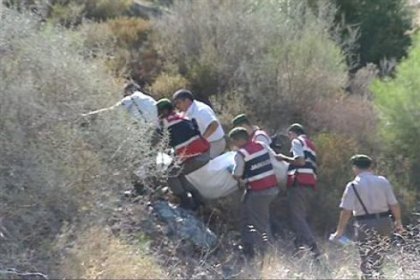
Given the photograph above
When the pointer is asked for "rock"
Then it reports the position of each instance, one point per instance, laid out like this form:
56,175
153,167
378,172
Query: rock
185,226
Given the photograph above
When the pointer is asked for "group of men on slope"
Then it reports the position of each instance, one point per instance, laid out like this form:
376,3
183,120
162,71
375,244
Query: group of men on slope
197,136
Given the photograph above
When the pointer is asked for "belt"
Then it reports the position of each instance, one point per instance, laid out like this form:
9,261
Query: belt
373,216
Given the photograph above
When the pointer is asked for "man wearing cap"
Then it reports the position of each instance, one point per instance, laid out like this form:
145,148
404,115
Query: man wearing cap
253,164
191,150
301,183
208,124
370,198
254,131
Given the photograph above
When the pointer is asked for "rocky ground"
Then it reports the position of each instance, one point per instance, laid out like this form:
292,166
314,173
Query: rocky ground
199,245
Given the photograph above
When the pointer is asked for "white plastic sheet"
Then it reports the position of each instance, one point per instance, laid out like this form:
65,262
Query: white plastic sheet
280,168
214,180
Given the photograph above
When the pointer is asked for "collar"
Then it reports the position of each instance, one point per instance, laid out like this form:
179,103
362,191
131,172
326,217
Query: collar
137,92
191,109
364,173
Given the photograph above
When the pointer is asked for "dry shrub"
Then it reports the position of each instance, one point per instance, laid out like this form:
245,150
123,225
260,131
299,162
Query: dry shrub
98,39
105,9
130,32
124,44
97,254
334,172
57,167
350,116
166,84
277,54
67,15
337,263
362,79
230,105
342,262
133,56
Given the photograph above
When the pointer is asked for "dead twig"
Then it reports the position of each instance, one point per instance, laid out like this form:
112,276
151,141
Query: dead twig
14,272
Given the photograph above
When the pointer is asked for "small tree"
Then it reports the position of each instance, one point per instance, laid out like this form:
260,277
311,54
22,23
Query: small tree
382,25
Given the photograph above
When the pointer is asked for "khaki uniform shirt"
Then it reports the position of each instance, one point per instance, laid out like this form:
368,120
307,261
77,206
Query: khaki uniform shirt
375,192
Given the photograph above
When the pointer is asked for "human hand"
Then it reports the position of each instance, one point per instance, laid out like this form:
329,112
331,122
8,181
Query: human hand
398,227
336,235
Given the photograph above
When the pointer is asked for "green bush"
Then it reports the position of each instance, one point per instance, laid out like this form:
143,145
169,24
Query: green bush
398,101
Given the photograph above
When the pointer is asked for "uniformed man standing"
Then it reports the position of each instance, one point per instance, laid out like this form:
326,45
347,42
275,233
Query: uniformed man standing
371,200
253,164
301,182
256,133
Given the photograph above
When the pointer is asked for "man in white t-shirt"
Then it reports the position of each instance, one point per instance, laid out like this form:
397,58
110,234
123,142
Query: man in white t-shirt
138,104
141,106
207,122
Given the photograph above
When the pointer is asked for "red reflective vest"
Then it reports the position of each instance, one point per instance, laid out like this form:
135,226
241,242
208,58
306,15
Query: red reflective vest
259,171
184,137
259,132
304,175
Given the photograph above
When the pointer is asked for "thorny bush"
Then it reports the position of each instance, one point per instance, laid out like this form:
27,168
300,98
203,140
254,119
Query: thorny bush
57,167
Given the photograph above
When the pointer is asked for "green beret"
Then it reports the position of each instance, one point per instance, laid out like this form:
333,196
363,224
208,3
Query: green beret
239,133
361,161
164,104
297,128
240,119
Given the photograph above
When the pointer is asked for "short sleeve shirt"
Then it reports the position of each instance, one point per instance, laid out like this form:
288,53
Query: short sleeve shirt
141,106
262,137
204,116
297,149
375,192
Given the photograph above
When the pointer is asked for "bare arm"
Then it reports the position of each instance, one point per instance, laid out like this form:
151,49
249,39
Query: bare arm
298,161
396,212
239,167
297,150
102,110
210,129
345,216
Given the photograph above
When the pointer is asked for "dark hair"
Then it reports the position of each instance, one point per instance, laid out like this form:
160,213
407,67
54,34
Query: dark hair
296,128
183,94
131,87
239,133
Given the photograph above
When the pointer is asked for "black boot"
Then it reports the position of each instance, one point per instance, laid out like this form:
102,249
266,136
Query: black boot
188,202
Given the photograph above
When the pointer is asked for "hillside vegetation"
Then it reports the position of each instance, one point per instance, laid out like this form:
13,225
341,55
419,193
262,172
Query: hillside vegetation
62,175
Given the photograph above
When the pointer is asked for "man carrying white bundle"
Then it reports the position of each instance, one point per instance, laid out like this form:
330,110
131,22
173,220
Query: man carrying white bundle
208,124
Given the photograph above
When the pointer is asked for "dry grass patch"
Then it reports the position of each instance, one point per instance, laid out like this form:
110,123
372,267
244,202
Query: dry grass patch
98,254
